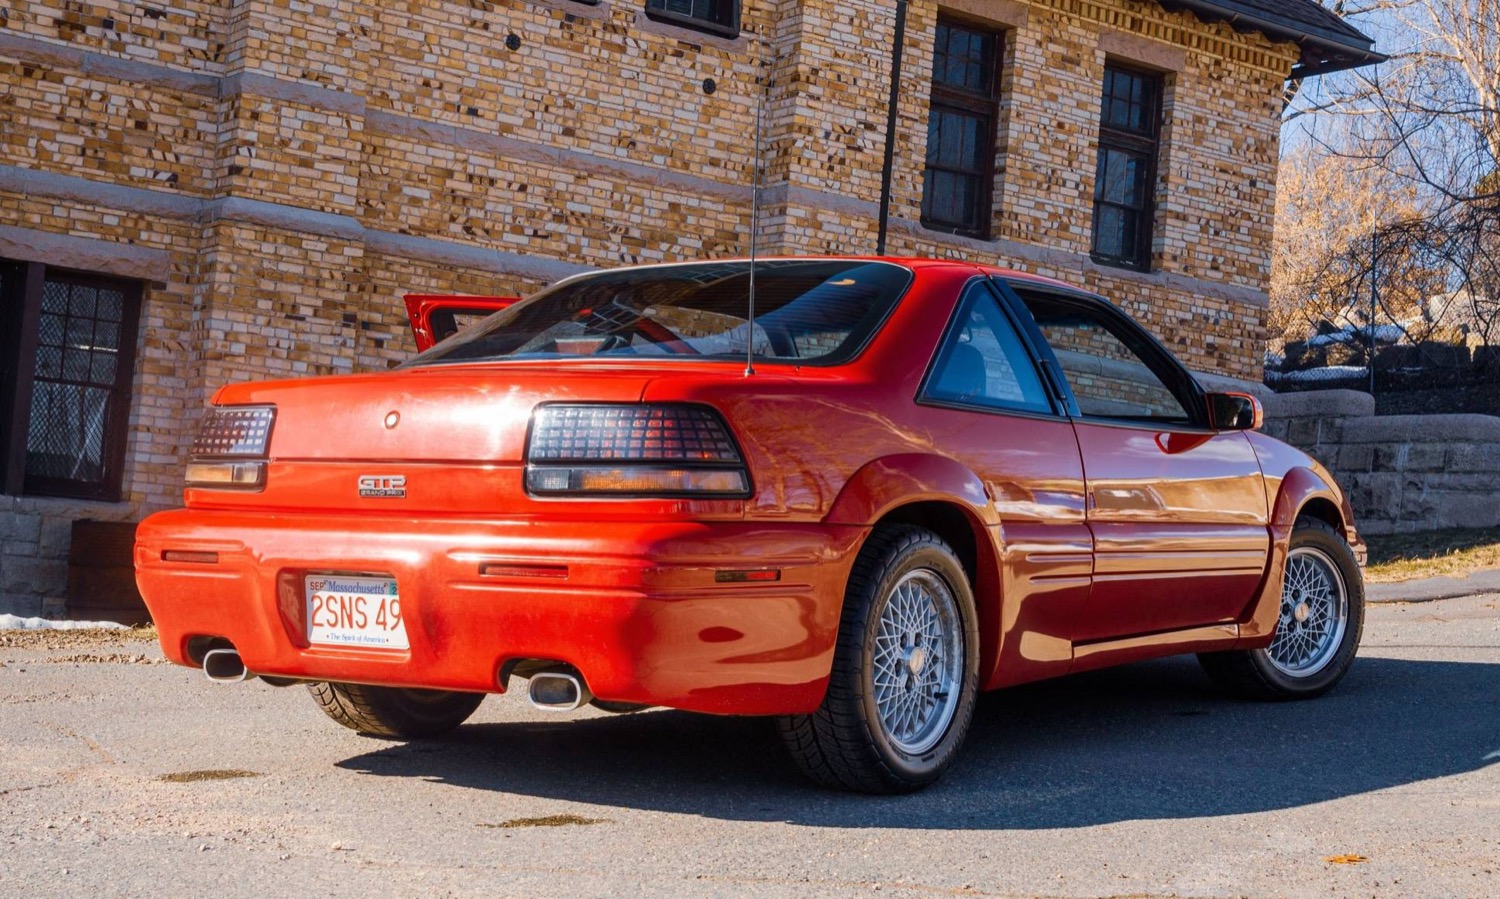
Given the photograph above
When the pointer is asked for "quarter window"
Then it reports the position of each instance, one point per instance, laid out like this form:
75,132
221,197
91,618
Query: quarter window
1126,173
983,362
69,344
718,16
960,164
1108,366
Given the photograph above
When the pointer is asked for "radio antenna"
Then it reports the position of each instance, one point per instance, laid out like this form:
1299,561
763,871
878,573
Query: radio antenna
764,83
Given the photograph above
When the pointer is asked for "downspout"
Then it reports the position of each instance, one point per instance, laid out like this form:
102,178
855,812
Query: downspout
890,127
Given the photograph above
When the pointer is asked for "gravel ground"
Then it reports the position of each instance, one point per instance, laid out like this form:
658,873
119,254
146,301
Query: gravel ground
122,776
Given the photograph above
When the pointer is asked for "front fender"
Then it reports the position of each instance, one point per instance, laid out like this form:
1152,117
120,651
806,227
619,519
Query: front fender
1299,486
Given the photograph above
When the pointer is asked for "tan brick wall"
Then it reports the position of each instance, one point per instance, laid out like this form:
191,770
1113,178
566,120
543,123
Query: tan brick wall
282,172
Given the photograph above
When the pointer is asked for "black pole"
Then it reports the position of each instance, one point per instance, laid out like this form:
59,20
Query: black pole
1374,299
890,127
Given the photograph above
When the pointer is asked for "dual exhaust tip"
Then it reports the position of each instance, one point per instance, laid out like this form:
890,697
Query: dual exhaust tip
550,691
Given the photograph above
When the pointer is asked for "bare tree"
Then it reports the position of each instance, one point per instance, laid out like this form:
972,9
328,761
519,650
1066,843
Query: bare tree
1390,186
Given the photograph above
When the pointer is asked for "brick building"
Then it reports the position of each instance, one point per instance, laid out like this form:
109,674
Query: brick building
201,191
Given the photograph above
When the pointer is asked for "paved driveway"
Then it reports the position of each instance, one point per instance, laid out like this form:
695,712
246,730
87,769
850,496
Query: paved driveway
1140,781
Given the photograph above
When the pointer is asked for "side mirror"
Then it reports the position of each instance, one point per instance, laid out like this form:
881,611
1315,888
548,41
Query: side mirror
1235,412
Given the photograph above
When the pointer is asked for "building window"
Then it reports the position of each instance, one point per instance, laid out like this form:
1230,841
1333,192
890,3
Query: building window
1129,122
68,341
717,16
961,131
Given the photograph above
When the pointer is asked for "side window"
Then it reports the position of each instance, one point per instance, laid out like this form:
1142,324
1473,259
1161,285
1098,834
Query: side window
717,16
67,357
1105,364
982,361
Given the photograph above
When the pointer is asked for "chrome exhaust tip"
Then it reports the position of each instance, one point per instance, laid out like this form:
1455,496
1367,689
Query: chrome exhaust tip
557,691
224,666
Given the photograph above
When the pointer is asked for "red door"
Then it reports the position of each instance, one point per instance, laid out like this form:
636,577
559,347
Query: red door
436,317
1179,523
1177,510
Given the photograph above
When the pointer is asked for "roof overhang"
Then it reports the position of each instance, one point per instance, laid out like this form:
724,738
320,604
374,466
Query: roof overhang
1325,49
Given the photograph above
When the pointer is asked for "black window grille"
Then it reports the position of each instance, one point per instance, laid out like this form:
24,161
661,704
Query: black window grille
717,16
960,166
1129,123
70,339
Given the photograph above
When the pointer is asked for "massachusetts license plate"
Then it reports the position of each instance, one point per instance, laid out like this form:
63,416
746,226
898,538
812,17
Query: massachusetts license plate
354,611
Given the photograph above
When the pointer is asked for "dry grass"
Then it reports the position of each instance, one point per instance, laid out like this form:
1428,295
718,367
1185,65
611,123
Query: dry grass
548,821
187,777
1453,553
87,638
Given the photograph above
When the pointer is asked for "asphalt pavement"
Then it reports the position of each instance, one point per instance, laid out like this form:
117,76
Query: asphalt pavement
121,775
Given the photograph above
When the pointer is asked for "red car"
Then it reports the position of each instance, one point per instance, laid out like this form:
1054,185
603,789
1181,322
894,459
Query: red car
901,482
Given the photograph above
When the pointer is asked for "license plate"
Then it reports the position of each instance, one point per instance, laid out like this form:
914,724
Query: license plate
354,611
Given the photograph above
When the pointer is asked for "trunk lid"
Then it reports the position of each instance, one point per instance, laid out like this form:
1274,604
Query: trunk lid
455,413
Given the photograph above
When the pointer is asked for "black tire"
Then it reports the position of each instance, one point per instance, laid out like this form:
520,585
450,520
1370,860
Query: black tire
618,708
845,744
392,712
1255,673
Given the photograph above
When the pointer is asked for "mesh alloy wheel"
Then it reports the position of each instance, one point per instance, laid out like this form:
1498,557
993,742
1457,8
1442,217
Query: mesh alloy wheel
917,665
1314,613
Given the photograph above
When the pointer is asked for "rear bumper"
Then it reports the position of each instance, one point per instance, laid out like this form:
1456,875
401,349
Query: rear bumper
637,609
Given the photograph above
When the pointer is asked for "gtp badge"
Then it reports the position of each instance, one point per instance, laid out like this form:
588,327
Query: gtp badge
383,486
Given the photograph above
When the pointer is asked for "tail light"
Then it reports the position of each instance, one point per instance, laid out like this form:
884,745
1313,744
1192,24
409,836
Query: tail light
230,450
633,450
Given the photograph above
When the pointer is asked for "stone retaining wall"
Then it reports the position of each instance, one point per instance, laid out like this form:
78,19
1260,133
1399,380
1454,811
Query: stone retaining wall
1403,473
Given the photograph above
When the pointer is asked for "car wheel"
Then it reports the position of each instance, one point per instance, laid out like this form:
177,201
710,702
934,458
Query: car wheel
905,671
1318,630
394,712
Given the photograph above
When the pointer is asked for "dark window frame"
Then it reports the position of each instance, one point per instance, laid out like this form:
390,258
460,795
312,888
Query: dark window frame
1157,358
19,339
725,24
984,105
1139,143
973,292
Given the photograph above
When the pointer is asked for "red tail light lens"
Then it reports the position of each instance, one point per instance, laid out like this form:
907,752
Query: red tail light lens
235,432
639,450
228,435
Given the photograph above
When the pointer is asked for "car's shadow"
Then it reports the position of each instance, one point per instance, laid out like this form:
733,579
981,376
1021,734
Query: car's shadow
1145,741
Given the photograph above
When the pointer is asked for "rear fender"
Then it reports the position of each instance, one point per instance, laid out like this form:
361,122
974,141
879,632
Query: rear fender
883,487
1299,487
892,481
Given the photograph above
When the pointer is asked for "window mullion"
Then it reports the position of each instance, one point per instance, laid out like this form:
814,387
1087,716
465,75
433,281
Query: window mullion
14,463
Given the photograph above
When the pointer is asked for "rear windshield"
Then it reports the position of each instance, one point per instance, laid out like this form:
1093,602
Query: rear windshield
806,311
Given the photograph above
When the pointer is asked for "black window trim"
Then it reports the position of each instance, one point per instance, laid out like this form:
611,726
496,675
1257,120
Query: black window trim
685,20
856,352
1150,147
16,387
971,104
992,289
1172,373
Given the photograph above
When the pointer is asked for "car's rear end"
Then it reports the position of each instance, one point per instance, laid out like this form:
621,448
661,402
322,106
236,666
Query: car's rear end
565,492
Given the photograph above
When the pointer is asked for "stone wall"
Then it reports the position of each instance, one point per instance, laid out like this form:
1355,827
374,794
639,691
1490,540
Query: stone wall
1403,473
278,174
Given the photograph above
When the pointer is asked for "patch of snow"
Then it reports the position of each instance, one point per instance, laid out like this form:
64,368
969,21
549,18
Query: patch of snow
1361,335
1327,373
15,622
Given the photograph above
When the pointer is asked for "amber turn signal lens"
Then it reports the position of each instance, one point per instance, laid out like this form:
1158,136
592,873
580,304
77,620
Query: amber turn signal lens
187,555
226,475
751,576
636,480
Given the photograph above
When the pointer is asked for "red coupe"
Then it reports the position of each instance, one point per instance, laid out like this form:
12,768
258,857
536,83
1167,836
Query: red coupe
897,483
